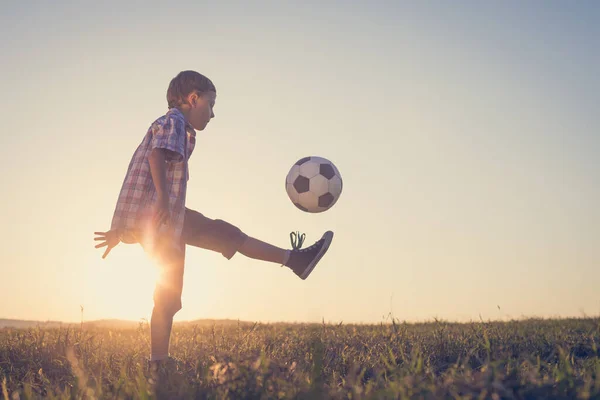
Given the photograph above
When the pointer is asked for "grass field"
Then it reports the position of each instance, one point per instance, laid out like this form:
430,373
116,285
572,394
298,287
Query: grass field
527,359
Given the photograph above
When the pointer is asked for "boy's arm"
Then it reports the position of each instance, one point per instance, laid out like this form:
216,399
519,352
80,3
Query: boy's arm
158,170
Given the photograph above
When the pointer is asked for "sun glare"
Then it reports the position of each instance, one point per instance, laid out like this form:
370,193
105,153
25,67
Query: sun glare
120,286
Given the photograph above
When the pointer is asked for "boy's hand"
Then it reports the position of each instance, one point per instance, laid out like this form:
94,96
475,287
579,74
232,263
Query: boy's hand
161,213
110,239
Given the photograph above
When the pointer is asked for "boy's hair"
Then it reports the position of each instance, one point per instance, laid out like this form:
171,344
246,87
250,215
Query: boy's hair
185,83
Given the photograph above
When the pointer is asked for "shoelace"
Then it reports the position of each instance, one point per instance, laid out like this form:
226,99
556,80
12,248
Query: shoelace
297,239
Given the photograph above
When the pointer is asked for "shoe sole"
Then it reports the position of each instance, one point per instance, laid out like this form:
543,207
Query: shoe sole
327,238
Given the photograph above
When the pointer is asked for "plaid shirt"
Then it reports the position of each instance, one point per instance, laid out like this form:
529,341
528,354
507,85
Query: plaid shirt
133,213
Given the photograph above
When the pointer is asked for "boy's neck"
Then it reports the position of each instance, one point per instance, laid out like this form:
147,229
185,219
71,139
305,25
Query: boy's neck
185,110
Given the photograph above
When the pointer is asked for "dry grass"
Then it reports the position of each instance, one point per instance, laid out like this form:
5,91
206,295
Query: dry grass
500,360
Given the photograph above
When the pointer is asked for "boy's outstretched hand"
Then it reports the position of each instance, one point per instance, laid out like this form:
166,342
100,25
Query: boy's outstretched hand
109,240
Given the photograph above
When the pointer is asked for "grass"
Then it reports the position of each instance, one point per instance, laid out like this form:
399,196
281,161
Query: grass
529,359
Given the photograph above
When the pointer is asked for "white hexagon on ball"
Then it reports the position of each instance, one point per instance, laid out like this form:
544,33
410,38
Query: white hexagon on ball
310,201
309,169
319,185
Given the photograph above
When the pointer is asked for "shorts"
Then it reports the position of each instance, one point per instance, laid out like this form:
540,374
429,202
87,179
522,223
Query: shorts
198,231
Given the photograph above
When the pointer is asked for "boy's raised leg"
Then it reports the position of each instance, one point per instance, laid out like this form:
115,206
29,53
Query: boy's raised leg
227,239
259,250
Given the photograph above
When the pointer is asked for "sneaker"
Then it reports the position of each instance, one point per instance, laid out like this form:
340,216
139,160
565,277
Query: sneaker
303,261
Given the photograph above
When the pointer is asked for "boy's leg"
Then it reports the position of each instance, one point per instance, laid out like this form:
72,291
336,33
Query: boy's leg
160,333
167,299
227,239
259,250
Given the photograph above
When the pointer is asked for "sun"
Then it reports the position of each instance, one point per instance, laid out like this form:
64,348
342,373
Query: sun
120,286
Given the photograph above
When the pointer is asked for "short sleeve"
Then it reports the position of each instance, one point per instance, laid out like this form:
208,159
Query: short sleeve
170,134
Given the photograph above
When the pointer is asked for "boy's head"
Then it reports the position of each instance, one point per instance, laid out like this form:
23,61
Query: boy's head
195,95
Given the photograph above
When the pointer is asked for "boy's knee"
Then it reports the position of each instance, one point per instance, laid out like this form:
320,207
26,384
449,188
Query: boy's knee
167,293
167,305
231,238
212,234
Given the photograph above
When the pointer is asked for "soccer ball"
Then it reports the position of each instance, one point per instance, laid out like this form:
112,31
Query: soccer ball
313,184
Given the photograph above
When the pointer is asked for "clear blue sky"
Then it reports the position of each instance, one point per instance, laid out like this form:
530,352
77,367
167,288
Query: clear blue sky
467,134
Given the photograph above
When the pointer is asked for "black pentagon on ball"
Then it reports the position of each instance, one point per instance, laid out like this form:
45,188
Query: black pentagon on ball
300,207
302,184
327,171
326,200
302,160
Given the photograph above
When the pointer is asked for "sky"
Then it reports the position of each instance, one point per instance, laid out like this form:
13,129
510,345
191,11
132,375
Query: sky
466,133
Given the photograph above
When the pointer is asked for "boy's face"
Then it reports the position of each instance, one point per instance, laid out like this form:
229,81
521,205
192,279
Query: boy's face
201,109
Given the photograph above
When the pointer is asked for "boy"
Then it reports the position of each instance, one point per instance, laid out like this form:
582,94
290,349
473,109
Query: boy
151,208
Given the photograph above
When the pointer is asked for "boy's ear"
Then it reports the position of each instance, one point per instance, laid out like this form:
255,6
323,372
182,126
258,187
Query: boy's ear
192,99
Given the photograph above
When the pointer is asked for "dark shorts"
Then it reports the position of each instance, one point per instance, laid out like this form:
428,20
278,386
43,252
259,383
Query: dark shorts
198,231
